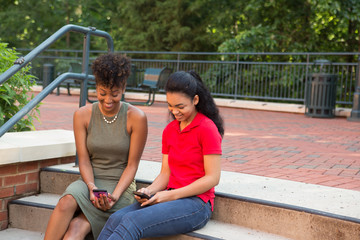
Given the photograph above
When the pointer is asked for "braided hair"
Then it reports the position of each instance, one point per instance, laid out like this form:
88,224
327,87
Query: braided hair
190,84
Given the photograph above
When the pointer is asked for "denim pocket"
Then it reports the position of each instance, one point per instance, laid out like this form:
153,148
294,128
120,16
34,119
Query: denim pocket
202,215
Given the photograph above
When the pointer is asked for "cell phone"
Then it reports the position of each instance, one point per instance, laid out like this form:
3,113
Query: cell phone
97,192
142,195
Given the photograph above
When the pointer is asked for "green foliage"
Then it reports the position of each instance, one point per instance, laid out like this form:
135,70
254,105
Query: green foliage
189,25
154,25
272,26
14,93
151,25
247,41
296,26
27,23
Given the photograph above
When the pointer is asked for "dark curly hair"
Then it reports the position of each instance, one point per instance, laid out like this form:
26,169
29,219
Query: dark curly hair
190,84
111,70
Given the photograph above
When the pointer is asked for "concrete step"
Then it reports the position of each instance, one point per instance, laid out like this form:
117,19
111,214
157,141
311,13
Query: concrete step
285,208
33,212
213,228
23,212
20,234
56,179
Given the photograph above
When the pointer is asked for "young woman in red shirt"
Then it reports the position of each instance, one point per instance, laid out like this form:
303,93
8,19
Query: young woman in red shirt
182,195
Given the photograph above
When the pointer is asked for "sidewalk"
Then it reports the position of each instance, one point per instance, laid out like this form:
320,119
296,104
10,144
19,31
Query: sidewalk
271,144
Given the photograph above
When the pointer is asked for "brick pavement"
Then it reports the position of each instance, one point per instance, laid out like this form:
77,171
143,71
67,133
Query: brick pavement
271,144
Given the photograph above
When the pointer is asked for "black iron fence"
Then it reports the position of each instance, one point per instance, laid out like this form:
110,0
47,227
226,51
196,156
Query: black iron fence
258,76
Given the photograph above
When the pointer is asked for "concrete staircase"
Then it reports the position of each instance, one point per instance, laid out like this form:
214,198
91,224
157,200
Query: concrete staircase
246,207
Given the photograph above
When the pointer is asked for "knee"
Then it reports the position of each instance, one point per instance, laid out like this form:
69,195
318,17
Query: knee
128,224
67,203
114,220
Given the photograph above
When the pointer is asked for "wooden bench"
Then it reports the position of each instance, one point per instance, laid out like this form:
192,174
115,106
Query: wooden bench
76,67
154,79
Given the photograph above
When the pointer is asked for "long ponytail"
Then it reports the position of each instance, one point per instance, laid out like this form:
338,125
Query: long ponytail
190,84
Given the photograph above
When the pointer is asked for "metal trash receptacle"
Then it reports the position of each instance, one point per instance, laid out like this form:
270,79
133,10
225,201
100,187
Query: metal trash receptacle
48,74
320,97
131,81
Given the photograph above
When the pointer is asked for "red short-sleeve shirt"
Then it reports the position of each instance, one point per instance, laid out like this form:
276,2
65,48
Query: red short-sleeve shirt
186,150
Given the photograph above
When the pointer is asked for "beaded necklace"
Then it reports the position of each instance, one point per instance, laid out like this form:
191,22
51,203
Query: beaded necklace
113,120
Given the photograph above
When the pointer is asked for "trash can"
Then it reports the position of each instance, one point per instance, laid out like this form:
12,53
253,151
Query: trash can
131,81
48,74
320,93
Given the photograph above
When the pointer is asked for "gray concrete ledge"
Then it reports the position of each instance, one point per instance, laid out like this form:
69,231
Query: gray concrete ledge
316,199
28,146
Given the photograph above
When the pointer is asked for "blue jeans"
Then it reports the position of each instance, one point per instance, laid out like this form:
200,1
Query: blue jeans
162,219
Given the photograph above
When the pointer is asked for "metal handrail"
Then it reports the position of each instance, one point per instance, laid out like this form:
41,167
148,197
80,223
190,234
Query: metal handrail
23,61
38,98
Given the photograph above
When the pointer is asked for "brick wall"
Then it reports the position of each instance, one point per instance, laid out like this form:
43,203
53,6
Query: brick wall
22,179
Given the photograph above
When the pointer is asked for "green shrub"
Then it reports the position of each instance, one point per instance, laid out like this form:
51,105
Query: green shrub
15,92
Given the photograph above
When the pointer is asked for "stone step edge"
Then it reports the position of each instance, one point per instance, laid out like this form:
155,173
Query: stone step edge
39,235
200,234
288,207
247,199
32,204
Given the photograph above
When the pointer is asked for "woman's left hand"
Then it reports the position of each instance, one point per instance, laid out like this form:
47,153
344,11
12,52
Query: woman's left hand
104,202
159,197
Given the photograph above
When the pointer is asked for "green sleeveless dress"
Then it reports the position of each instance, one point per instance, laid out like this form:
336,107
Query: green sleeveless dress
108,147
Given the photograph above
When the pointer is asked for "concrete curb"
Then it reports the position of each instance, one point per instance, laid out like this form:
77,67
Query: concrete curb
221,102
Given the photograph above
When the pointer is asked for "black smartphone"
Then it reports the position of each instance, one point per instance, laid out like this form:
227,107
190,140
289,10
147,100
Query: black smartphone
97,192
142,195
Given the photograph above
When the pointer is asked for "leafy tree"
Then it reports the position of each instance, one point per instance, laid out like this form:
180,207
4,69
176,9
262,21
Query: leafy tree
27,23
272,26
336,25
14,92
297,26
154,25
189,25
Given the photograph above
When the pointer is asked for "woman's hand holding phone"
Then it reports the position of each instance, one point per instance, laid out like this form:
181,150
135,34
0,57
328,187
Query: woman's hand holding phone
142,195
103,200
99,192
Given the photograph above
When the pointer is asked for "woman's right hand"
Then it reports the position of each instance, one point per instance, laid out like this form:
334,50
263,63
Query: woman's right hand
143,190
92,195
104,202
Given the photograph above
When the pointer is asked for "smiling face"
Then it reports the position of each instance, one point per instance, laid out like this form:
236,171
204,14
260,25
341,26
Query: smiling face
182,107
109,99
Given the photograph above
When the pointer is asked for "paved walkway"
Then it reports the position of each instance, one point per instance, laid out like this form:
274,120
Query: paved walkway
271,144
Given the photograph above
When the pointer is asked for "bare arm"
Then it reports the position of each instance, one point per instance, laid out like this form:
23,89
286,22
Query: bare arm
210,179
80,121
162,180
137,128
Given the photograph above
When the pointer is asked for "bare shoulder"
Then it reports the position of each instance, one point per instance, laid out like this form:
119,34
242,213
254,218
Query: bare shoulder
136,114
84,110
83,114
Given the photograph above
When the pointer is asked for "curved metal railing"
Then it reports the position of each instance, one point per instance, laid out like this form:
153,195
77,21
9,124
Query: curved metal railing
23,61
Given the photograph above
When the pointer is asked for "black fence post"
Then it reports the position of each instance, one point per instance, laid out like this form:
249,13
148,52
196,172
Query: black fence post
48,74
355,112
